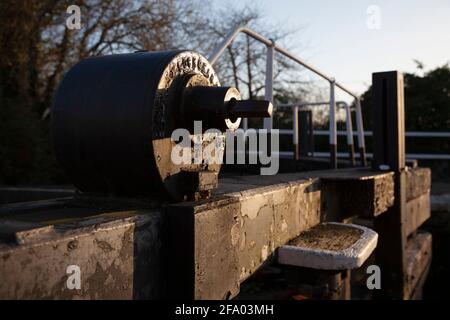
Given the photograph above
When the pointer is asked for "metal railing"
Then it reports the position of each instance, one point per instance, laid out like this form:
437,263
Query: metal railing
295,124
268,122
408,134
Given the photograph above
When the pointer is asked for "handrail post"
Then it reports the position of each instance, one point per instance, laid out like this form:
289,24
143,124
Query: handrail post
245,124
218,50
295,134
268,122
349,127
360,128
333,131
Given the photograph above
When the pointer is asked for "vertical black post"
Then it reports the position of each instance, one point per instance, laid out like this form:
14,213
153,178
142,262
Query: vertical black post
349,133
333,156
333,127
388,121
351,154
296,134
362,155
389,154
306,133
360,128
310,132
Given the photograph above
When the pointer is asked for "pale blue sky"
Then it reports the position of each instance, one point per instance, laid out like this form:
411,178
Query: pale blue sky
339,42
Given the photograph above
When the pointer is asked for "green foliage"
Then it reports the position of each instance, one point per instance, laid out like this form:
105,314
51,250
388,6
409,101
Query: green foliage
427,101
427,108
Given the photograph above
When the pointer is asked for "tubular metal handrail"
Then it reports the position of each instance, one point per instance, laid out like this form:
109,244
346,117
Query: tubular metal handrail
348,122
271,49
408,134
415,134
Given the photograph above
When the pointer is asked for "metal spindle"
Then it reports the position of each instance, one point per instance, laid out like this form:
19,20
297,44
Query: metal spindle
268,122
333,131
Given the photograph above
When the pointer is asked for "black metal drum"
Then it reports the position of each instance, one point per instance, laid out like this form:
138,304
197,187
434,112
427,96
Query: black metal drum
113,117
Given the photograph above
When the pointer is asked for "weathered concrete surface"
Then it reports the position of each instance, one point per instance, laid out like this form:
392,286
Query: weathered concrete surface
117,253
209,247
238,230
234,235
418,260
358,197
346,192
354,192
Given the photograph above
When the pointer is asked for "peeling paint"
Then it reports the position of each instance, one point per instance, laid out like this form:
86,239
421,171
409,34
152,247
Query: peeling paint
284,226
279,197
243,239
235,234
251,206
264,252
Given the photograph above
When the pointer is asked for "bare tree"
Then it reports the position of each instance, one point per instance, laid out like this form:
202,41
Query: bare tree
243,64
37,49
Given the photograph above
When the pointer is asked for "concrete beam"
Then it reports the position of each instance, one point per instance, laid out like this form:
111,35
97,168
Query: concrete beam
227,239
354,192
118,255
209,246
218,243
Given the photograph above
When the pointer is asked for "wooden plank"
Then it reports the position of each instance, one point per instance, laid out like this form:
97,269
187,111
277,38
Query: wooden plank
417,212
355,192
418,182
345,192
418,260
306,136
390,252
358,197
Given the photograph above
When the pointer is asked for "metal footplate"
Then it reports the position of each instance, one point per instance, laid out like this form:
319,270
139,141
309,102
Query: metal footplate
330,246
